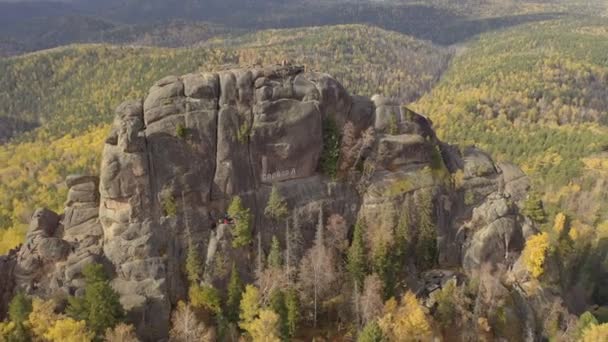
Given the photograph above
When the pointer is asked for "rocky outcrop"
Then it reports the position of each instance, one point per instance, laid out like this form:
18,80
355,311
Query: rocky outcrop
174,159
57,247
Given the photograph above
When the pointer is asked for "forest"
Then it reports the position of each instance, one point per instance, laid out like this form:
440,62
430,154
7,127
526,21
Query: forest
526,81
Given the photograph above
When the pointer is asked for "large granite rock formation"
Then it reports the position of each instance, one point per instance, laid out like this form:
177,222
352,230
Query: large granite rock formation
173,161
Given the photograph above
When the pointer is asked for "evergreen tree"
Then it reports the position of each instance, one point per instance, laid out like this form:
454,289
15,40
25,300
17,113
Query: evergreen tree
241,233
194,264
100,307
18,311
235,292
356,256
534,209
292,303
205,297
276,209
371,333
426,245
279,306
274,257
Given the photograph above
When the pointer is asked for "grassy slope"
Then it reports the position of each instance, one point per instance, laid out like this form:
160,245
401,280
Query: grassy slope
537,95
72,91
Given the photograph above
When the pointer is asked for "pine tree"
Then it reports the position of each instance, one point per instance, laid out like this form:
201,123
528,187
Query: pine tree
19,309
241,233
274,257
276,209
371,333
292,304
205,297
100,307
356,256
194,264
279,306
533,208
426,244
235,292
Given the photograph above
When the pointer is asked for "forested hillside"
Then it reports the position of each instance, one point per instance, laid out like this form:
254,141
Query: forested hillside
536,95
69,91
40,25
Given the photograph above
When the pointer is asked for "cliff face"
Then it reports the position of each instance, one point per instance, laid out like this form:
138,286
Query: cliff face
174,160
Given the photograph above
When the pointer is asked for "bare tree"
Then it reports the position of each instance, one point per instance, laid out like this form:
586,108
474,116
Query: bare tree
186,327
371,302
318,272
337,233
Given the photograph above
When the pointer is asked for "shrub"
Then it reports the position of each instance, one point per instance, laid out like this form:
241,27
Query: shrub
181,131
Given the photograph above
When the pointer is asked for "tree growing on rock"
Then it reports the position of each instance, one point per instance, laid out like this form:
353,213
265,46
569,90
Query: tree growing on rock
276,208
241,232
100,307
533,208
205,297
194,264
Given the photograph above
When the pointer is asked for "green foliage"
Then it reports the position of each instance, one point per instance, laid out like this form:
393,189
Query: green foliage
274,257
426,242
250,306
181,131
194,264
584,321
533,208
356,257
535,95
276,208
241,232
19,308
446,312
100,307
393,126
371,333
77,88
205,297
292,303
235,292
18,311
328,162
279,306
168,204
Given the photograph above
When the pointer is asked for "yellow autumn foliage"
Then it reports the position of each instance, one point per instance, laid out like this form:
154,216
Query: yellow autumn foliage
405,321
265,328
534,253
595,333
42,317
560,223
69,330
